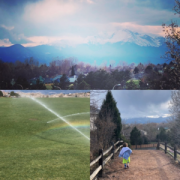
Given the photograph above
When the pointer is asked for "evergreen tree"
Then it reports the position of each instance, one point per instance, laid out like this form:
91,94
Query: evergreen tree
83,85
109,109
12,93
135,136
64,81
72,71
1,94
136,70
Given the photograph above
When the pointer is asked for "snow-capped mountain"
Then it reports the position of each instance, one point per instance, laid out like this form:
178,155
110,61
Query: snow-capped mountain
132,47
144,120
144,39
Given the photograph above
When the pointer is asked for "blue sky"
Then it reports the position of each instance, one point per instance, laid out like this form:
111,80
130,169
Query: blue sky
72,22
138,103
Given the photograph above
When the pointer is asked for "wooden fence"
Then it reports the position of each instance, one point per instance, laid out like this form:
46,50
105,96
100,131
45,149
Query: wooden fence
143,146
172,152
99,170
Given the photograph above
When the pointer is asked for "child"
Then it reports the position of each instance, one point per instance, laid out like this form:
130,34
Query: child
125,153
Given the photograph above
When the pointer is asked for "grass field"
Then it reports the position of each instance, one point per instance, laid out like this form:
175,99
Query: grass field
31,148
136,82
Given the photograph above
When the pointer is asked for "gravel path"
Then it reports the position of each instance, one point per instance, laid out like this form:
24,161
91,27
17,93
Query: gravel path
145,164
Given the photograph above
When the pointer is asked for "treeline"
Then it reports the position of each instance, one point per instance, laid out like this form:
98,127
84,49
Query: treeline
147,76
18,75
102,79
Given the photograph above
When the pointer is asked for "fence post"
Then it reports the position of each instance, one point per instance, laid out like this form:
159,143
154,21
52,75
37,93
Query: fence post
112,150
165,147
175,152
158,145
101,163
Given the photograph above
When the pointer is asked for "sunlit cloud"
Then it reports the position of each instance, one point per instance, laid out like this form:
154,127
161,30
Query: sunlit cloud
147,29
5,42
72,22
47,11
166,115
155,116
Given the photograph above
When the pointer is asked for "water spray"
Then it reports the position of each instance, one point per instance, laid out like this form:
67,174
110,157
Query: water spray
68,116
59,117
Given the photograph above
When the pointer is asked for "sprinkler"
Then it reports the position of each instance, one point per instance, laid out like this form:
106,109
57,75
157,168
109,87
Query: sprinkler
63,119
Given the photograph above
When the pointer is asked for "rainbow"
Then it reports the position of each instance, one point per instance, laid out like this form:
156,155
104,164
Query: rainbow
68,116
74,124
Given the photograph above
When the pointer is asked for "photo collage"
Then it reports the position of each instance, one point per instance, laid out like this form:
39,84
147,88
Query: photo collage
89,89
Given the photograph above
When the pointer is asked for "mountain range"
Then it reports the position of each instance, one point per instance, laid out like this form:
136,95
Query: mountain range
135,49
144,120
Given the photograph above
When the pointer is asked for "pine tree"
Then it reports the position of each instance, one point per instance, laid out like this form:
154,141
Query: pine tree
1,94
109,109
72,71
64,81
135,136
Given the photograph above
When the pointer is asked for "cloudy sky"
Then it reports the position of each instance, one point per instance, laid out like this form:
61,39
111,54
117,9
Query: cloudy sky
71,22
138,103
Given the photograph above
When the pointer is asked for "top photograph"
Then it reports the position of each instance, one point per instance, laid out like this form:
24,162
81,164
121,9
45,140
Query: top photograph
89,45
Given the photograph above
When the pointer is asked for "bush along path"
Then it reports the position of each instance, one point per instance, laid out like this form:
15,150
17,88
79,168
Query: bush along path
144,165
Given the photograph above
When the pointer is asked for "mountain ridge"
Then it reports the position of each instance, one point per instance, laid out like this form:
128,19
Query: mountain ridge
150,50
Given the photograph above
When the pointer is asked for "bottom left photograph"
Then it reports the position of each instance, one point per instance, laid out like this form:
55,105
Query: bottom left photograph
44,134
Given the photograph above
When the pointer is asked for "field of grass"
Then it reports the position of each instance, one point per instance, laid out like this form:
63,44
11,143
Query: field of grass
31,148
136,82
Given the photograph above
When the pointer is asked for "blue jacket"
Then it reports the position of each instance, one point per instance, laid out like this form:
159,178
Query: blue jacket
125,152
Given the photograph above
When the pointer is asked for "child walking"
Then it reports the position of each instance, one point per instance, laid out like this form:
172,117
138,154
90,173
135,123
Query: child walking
125,153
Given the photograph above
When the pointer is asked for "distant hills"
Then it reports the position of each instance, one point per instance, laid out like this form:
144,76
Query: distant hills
144,120
137,48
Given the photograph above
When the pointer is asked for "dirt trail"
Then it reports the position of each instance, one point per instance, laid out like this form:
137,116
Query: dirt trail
145,164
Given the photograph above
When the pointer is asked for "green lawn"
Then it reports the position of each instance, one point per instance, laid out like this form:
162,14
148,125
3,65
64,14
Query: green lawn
136,82
31,148
48,86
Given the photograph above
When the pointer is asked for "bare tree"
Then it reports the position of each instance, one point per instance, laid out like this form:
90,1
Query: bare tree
101,131
152,130
105,131
175,118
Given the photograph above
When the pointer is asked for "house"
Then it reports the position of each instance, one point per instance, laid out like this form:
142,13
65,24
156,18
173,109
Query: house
126,130
166,129
48,80
72,79
57,78
33,81
143,132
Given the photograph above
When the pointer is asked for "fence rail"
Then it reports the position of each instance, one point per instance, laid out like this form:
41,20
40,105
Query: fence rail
98,171
173,149
143,146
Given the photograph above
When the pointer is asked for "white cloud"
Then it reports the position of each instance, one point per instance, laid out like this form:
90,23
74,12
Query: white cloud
154,116
48,11
7,27
147,29
102,37
166,115
90,1
5,42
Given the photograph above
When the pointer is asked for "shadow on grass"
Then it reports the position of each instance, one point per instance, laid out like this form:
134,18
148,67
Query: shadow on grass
41,137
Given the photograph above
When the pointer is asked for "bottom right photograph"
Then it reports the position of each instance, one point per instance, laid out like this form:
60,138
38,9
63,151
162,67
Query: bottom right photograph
134,134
